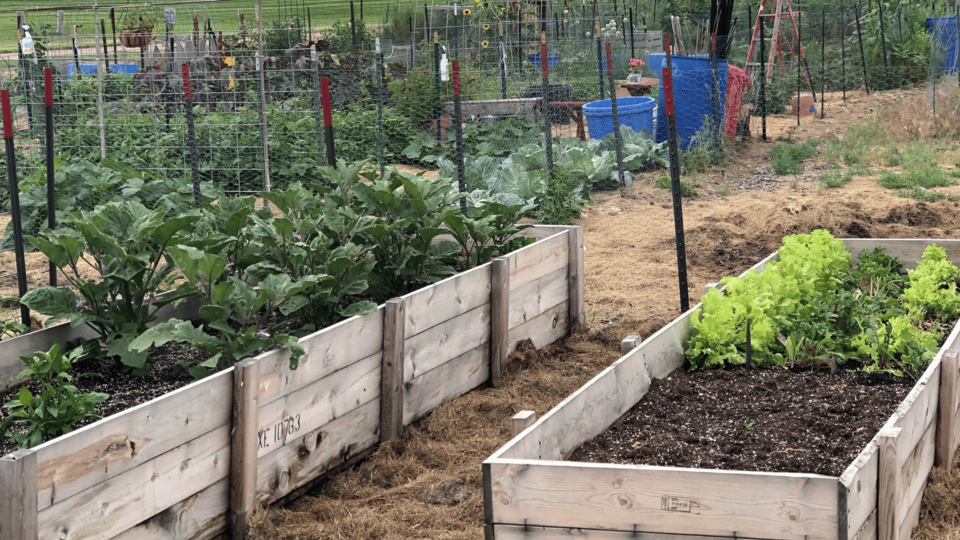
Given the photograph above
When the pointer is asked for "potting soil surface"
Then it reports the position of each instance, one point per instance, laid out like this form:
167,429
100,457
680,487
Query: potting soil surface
771,420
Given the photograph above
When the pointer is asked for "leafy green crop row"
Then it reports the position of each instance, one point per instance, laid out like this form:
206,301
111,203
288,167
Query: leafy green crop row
810,306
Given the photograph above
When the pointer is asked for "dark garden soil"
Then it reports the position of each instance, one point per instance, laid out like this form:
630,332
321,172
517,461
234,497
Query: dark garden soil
125,389
771,420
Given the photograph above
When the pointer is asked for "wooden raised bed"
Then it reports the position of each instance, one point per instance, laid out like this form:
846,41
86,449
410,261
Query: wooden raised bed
193,463
531,493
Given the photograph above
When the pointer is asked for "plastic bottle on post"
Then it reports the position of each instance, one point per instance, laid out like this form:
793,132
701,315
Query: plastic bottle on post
26,44
444,75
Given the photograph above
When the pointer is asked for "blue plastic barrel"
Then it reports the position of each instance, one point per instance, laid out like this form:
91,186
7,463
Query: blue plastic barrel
552,59
693,95
945,41
85,69
125,69
635,112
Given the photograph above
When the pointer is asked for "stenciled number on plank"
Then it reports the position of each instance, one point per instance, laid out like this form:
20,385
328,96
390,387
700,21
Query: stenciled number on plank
279,432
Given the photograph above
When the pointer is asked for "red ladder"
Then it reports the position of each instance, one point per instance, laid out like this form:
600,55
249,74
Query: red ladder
776,40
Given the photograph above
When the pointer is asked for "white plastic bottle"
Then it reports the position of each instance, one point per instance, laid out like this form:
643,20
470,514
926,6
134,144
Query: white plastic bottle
443,64
26,44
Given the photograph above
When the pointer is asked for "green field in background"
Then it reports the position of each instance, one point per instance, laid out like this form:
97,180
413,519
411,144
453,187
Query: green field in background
222,15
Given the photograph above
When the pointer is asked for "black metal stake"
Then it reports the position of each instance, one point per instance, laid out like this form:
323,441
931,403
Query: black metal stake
353,26
458,129
327,121
863,58
763,84
633,52
600,60
379,74
617,136
191,134
51,176
715,88
799,29
413,44
113,30
843,53
503,65
675,178
823,57
436,71
316,103
883,45
14,192
547,125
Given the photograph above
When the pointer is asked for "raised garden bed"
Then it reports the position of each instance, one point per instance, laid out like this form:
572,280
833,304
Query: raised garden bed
533,491
193,463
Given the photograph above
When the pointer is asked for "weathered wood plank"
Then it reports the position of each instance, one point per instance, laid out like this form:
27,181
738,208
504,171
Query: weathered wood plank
521,421
538,260
543,329
307,409
912,516
429,350
445,300
100,451
542,232
327,350
867,531
201,516
888,522
243,445
538,296
860,480
906,249
918,409
592,408
29,344
317,451
18,495
946,415
576,277
499,316
664,499
914,473
113,506
447,382
522,532
391,372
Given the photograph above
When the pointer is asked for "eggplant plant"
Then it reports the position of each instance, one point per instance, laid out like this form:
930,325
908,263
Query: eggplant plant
115,259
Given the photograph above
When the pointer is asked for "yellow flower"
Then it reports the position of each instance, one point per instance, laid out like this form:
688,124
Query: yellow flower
467,11
501,11
484,44
486,27
230,61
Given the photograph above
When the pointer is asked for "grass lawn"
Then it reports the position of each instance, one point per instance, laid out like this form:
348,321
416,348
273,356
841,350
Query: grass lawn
222,15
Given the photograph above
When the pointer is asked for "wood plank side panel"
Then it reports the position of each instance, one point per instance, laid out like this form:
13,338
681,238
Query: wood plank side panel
539,295
202,516
327,351
432,348
543,329
912,516
98,452
867,531
914,473
317,452
18,495
521,532
918,410
449,381
445,300
663,499
537,260
113,506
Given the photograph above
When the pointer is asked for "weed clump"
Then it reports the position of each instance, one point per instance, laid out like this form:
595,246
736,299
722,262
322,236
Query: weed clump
787,157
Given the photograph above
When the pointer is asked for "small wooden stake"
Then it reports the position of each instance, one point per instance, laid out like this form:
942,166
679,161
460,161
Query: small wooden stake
499,316
888,524
18,496
630,343
949,365
243,445
391,381
578,316
522,421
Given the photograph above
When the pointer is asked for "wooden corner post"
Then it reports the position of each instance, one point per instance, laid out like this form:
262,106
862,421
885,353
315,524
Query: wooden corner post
888,497
578,316
391,382
499,316
949,366
521,421
18,496
244,445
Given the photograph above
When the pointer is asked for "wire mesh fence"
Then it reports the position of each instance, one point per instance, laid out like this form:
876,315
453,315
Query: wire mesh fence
395,89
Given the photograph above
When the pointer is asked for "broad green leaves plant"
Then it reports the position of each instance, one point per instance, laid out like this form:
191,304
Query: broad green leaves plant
59,405
115,258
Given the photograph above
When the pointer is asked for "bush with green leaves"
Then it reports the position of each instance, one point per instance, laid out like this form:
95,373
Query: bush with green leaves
124,246
58,405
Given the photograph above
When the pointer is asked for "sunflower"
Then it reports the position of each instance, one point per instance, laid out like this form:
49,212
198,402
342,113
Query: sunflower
501,11
484,44
486,27
467,11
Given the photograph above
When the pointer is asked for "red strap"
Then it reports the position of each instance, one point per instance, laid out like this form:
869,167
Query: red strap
543,61
325,101
666,43
609,60
668,90
48,87
7,118
456,77
713,42
187,93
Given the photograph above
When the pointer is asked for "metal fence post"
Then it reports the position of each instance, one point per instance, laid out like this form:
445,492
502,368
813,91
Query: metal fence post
675,178
316,102
327,121
763,84
863,59
378,73
51,176
600,59
547,124
458,129
617,137
14,187
191,133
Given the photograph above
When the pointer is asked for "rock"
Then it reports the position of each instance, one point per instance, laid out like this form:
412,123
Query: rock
449,492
